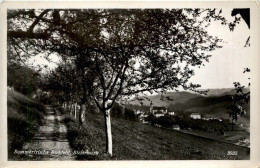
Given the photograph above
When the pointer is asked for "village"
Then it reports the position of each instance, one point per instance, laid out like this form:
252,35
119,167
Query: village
161,116
163,111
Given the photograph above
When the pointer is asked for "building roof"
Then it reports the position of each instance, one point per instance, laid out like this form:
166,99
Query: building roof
158,112
159,108
195,114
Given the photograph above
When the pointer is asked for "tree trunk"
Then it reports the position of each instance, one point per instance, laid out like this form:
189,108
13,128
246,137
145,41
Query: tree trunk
123,110
79,110
69,106
75,110
82,114
71,109
65,106
108,132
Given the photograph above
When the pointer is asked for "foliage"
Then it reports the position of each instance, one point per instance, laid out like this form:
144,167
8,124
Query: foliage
239,100
187,122
117,111
138,107
23,79
161,38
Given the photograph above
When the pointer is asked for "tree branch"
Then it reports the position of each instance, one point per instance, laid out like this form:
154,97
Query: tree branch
24,34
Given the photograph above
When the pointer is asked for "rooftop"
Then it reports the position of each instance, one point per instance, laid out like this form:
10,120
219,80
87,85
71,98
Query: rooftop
159,108
195,114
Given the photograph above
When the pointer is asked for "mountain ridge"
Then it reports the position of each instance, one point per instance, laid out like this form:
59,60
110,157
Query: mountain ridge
215,104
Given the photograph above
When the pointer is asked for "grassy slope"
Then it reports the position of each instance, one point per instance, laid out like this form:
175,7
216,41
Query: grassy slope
136,141
24,118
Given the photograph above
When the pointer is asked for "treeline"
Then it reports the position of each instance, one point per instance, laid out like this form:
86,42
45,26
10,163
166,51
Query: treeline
118,111
189,123
22,78
30,82
138,107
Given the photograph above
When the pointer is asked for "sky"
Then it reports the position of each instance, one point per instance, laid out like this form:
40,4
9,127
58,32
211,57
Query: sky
224,67
226,64
41,61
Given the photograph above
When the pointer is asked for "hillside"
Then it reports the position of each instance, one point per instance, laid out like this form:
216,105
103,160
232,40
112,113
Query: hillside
218,92
222,92
215,104
171,98
24,118
215,107
137,141
158,100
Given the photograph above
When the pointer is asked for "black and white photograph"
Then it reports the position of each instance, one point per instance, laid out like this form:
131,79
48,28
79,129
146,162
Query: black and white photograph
126,84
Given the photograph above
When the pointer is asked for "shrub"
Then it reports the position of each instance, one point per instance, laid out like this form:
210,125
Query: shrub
185,122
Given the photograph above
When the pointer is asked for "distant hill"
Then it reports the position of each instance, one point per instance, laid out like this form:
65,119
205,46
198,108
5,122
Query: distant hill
222,91
172,98
214,104
166,99
218,92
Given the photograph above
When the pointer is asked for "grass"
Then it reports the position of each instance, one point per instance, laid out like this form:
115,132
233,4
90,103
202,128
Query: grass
136,141
24,118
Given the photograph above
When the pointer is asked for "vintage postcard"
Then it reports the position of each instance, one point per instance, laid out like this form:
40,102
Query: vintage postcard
153,84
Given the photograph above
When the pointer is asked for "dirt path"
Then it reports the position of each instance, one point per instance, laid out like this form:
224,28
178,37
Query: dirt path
50,143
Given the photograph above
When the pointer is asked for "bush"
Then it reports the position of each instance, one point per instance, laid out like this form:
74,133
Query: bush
118,112
81,138
185,122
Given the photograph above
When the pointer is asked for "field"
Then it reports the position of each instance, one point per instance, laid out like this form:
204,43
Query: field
136,141
24,119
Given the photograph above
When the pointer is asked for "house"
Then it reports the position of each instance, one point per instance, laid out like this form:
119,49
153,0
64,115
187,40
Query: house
154,109
158,114
195,116
143,116
138,112
171,113
145,122
159,109
176,127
